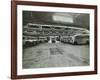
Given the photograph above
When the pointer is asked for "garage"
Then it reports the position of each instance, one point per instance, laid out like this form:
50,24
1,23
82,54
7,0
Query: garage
49,37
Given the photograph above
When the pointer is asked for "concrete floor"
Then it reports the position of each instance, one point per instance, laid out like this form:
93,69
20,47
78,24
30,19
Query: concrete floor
55,55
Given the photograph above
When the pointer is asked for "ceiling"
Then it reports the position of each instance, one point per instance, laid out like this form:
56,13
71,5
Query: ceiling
56,18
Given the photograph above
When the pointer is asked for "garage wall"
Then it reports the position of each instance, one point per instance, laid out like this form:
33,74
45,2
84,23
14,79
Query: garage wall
82,20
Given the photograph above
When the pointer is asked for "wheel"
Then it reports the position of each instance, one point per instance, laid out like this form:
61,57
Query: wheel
75,42
87,42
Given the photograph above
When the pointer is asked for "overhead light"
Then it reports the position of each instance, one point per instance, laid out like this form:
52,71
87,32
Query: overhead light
64,19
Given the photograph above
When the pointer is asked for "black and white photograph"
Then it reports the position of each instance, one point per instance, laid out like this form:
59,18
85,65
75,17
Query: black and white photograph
55,39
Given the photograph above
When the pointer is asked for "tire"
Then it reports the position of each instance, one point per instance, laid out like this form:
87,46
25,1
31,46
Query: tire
75,43
87,42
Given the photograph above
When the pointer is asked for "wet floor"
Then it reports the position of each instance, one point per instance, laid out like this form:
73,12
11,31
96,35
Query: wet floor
55,55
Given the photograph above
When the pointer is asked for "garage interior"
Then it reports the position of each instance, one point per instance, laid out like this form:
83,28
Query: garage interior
53,52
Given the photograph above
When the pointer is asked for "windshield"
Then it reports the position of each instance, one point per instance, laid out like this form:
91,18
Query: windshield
81,37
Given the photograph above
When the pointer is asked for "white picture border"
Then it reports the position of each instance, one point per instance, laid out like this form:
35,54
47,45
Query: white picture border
21,71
